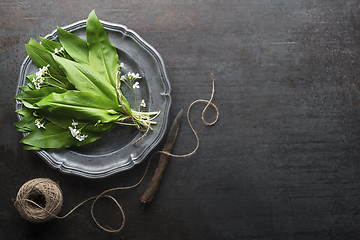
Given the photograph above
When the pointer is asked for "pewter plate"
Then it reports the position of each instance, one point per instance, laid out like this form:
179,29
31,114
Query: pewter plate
115,152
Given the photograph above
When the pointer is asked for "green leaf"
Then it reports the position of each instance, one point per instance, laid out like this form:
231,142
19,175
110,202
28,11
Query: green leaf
55,137
76,47
29,85
85,78
50,45
26,87
31,76
28,147
30,97
42,92
27,124
82,106
29,102
24,111
99,127
64,121
42,57
51,137
102,53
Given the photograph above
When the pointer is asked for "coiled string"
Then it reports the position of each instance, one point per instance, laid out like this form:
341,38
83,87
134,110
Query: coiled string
49,214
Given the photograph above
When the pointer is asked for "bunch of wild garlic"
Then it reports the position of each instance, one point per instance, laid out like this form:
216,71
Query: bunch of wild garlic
76,96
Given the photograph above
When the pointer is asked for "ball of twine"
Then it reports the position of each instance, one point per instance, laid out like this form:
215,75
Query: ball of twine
39,200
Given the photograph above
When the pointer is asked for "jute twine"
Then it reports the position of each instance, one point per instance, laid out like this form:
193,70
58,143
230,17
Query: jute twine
39,200
34,211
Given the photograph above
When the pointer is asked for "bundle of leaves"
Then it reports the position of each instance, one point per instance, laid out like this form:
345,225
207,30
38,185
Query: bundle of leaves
76,96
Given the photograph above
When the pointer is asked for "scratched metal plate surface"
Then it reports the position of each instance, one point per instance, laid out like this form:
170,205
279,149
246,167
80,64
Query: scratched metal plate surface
114,152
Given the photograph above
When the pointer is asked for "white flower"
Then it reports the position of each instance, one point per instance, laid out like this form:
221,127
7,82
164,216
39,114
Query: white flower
133,75
38,81
38,123
121,65
43,70
81,137
59,51
123,78
136,85
143,104
74,123
36,84
76,133
40,76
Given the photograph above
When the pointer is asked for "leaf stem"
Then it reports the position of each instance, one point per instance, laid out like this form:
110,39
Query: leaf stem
132,90
56,79
128,84
54,85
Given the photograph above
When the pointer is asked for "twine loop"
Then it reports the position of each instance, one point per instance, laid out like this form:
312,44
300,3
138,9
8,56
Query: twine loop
209,102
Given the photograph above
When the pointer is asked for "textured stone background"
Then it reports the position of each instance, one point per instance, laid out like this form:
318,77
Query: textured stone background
281,163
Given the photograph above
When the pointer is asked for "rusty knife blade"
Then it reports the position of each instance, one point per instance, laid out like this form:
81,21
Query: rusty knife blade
170,141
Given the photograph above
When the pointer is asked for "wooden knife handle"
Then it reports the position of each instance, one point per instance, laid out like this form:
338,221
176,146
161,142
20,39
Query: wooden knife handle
153,186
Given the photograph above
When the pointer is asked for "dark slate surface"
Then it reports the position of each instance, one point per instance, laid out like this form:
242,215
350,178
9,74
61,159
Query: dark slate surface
281,163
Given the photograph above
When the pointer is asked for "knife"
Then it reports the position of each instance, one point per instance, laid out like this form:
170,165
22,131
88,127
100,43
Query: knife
153,186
